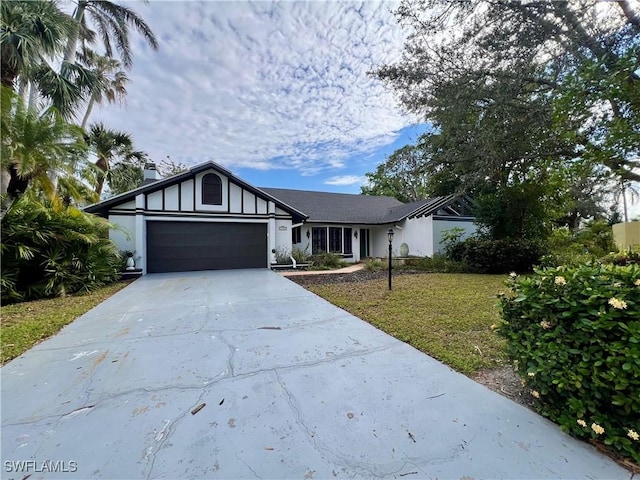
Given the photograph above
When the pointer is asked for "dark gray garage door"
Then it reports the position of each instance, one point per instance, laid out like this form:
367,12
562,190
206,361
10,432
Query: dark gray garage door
185,246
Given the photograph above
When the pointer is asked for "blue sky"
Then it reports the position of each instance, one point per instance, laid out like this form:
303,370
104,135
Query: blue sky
277,92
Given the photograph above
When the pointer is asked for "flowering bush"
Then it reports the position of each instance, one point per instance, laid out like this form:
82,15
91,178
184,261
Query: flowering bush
573,334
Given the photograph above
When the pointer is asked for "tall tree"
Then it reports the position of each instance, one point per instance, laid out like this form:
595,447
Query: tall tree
31,33
110,85
112,22
547,43
401,176
126,175
110,147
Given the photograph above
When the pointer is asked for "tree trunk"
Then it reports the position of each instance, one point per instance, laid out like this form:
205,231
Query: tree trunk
53,177
8,78
5,178
624,202
88,114
72,43
23,89
574,221
632,16
33,97
102,164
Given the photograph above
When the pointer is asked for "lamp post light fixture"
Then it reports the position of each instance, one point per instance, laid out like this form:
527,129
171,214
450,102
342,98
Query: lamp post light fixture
390,236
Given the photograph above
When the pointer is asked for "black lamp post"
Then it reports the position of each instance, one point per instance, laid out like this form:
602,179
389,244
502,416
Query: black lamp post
390,236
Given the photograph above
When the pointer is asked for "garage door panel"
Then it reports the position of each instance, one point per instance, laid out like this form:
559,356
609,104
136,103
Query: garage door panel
187,246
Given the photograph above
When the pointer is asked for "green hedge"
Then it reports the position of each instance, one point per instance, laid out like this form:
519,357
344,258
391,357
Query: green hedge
496,256
573,334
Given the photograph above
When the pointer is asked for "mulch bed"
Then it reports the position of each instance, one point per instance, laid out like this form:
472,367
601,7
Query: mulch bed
363,275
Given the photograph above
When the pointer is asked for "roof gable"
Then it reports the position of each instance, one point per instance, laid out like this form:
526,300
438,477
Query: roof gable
104,206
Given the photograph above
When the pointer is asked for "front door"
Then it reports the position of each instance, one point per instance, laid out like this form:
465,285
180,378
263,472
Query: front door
364,242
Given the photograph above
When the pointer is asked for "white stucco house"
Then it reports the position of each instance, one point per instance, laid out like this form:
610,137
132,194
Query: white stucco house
207,219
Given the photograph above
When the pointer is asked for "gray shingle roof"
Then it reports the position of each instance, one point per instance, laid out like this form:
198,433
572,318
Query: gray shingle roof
324,207
335,207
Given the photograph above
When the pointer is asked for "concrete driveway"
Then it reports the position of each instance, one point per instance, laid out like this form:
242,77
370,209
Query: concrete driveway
292,387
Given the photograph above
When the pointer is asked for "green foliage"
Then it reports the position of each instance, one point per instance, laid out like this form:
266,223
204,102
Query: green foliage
327,261
373,265
536,139
588,244
450,238
624,257
300,255
483,255
574,335
515,211
283,255
111,148
35,144
563,249
31,34
401,176
125,175
615,141
506,101
50,250
437,263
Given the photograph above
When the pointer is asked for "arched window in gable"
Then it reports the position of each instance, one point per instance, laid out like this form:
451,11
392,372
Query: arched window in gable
211,189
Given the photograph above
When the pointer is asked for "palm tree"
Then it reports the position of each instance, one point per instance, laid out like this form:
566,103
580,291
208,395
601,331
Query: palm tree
34,144
110,83
110,147
31,34
112,23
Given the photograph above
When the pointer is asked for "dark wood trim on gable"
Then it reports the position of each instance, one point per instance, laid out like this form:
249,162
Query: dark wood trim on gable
123,213
453,218
102,208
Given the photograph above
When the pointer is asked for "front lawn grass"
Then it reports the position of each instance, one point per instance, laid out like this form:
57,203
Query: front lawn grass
448,316
25,324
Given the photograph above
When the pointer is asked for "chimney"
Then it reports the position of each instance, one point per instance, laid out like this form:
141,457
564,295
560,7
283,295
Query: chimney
151,173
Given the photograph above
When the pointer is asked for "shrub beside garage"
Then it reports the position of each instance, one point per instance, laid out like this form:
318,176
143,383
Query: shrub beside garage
573,334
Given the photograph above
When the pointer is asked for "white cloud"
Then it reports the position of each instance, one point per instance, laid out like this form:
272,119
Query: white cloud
263,85
345,180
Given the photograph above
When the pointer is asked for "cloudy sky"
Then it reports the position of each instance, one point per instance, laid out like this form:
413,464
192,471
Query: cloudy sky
278,92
